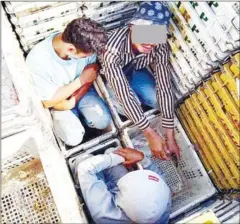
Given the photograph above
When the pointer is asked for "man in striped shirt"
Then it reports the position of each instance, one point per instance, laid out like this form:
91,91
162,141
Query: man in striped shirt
125,65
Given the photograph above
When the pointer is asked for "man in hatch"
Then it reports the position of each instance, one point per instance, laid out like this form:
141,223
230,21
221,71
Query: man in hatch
130,51
63,68
114,195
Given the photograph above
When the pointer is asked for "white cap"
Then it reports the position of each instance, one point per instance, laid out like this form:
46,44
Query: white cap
143,196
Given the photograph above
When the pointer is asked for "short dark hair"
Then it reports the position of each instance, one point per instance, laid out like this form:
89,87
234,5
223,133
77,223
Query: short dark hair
86,35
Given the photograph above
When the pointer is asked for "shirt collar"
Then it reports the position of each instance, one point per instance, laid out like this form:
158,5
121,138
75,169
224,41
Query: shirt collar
128,45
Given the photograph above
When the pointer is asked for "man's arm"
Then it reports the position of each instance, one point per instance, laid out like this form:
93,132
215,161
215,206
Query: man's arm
74,90
95,192
62,94
118,82
164,89
132,108
76,96
165,95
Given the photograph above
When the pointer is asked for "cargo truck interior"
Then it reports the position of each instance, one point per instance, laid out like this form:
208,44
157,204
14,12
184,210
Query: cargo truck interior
205,179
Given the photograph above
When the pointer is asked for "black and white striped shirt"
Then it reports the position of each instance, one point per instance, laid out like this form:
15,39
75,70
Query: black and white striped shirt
118,54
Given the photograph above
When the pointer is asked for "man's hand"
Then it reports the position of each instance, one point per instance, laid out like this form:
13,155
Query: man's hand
89,74
131,156
173,146
171,142
157,144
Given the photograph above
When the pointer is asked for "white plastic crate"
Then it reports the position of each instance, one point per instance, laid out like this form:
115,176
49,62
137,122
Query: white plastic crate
17,111
54,25
106,134
195,44
25,8
34,175
45,15
227,14
186,67
95,5
125,13
26,196
197,67
189,178
214,28
103,11
119,121
99,149
198,28
182,78
226,211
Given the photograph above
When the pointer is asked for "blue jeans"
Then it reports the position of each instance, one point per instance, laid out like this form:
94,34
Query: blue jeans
93,110
143,85
90,109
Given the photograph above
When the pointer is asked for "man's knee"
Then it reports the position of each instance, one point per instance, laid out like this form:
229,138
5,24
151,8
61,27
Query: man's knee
101,118
101,122
74,138
68,127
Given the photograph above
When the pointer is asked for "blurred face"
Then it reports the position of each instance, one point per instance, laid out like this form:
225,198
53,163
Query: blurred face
145,37
143,48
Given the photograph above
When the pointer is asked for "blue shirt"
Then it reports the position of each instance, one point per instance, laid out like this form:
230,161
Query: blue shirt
49,71
99,193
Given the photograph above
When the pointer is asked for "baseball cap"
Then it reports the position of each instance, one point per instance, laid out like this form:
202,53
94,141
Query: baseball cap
143,196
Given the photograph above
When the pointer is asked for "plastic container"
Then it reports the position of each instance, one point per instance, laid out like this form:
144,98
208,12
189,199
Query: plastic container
198,28
54,25
213,27
45,15
31,167
222,211
99,149
227,14
17,114
26,8
196,184
120,121
127,12
103,11
26,196
183,46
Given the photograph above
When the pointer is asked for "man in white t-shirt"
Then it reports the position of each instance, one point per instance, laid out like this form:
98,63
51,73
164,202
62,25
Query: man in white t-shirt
63,68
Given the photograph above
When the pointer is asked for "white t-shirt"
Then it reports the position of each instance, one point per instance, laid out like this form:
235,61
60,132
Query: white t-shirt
49,71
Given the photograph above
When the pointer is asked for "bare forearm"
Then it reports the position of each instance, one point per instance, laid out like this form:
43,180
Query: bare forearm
77,95
62,94
65,104
169,132
66,91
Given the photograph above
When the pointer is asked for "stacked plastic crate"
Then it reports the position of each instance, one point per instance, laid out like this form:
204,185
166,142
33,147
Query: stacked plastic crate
34,21
110,14
31,160
204,35
191,64
205,75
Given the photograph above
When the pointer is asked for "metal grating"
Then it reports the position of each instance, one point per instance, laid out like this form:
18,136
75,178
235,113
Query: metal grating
173,179
26,196
187,178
